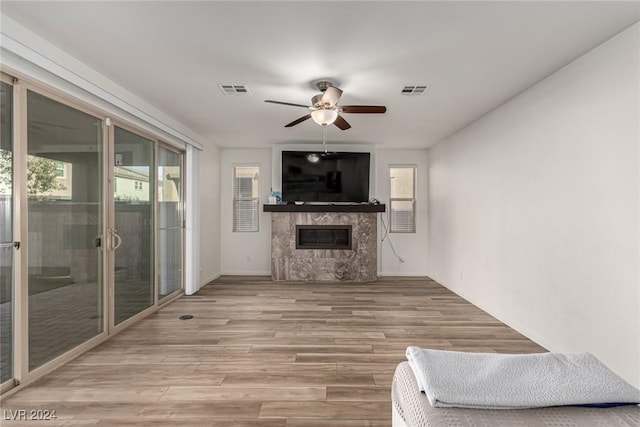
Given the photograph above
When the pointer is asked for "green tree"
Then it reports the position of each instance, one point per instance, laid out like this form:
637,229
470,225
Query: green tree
5,171
41,174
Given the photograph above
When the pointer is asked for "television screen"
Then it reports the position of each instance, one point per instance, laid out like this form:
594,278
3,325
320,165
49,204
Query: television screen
310,176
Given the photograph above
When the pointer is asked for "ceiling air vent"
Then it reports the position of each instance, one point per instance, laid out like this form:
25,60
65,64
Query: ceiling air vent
413,90
234,90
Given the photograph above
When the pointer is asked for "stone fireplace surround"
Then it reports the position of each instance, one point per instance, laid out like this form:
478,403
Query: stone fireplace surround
360,263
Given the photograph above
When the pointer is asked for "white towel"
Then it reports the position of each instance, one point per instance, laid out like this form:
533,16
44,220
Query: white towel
510,381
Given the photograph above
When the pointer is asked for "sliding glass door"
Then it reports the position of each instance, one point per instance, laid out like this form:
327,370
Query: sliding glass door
133,234
65,223
170,221
6,234
78,203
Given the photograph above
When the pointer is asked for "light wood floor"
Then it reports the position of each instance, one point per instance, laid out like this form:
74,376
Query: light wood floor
259,353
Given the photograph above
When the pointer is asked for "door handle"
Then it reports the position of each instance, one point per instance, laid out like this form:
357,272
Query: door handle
117,240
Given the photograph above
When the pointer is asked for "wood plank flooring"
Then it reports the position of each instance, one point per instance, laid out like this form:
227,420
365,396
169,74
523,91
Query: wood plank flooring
259,353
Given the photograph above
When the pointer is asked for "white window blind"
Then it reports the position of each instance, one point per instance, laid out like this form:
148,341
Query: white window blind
402,200
245,198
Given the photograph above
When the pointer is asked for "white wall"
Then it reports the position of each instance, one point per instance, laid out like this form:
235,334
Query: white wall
192,221
412,248
210,204
244,253
535,209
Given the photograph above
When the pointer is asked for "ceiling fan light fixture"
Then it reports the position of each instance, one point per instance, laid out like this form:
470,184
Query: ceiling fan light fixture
324,117
324,109
313,158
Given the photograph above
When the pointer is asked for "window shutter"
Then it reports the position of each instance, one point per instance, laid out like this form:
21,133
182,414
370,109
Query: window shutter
245,198
403,216
244,187
246,215
402,200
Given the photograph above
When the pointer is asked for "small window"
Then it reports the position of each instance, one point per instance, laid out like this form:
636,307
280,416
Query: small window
402,199
59,169
245,198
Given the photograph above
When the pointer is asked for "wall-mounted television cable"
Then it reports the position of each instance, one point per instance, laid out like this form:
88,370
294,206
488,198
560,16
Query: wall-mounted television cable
387,235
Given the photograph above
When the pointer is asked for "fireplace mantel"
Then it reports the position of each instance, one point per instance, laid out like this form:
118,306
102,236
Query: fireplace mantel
312,207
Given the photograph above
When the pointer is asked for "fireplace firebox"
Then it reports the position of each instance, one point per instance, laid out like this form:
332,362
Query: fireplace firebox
323,237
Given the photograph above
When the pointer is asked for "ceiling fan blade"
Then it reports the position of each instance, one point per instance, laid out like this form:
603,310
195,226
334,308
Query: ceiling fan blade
342,123
331,95
286,103
300,120
364,109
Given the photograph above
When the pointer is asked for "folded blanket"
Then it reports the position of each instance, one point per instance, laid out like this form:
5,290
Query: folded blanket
511,381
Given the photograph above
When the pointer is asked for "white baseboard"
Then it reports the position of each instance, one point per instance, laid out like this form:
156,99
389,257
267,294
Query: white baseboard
403,274
247,273
268,273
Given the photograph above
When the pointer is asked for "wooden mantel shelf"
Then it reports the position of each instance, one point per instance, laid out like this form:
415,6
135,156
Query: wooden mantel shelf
361,207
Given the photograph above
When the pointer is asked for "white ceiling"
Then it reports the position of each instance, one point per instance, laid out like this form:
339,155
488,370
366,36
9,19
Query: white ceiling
473,55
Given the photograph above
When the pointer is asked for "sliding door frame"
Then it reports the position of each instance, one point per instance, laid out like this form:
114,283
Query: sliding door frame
178,292
21,373
16,273
111,224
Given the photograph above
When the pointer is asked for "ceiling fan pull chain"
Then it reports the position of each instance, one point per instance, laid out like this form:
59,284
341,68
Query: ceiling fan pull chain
324,138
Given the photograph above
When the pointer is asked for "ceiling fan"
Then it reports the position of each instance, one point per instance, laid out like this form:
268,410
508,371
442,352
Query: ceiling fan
325,110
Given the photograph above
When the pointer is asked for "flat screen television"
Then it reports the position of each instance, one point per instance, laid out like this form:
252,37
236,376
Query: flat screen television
311,176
